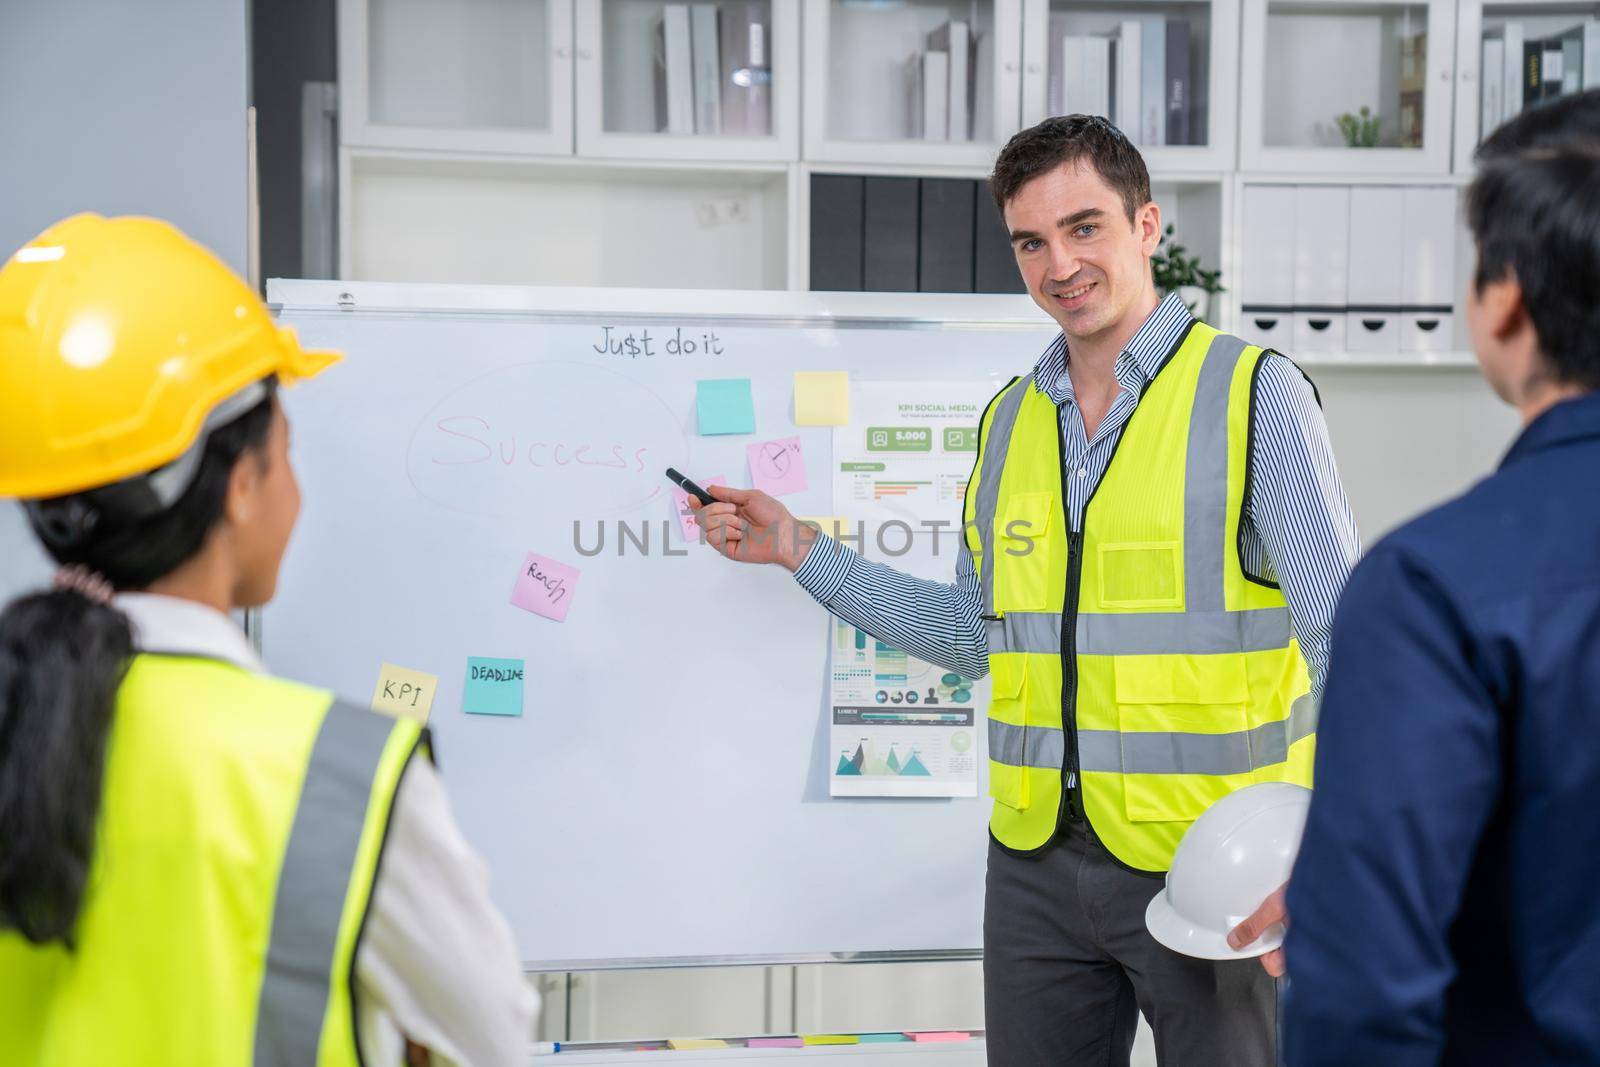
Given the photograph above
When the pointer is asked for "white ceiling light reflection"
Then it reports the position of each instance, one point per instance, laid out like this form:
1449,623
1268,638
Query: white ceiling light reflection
86,343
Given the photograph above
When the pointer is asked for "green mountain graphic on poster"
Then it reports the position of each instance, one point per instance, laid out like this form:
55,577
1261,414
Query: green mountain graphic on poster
866,763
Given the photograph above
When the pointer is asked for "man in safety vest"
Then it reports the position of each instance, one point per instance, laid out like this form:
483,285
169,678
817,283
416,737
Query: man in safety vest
1155,537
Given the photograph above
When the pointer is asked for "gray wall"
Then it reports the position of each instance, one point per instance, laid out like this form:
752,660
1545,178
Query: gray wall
121,107
124,108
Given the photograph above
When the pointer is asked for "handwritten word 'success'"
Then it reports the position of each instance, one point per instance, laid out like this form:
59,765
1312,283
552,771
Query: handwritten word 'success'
480,445
634,345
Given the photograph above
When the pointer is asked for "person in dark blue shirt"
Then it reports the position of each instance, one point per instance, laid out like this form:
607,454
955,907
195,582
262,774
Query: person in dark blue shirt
1446,901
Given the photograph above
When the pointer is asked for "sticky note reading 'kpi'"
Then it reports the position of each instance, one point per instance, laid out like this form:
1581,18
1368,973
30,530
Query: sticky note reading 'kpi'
695,1042
774,1042
724,405
777,467
402,691
545,587
821,398
494,686
680,499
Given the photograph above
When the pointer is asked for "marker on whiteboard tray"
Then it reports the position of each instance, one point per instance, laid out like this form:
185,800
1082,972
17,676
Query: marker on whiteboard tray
689,487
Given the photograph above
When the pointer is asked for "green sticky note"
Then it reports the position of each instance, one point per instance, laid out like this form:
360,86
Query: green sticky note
494,686
724,405
883,1039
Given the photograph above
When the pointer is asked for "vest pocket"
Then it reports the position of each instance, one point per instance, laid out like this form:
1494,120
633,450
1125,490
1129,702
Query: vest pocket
1184,728
1008,732
1141,575
1022,553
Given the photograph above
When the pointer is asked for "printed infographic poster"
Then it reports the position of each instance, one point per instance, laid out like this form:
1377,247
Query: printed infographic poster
901,727
907,451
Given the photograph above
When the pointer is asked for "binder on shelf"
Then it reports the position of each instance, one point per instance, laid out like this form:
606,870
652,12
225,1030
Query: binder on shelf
1056,67
1591,54
945,226
889,235
707,68
928,79
1152,95
1130,76
1376,274
674,71
1532,72
983,87
955,41
1551,69
836,232
1492,82
994,266
1178,87
1428,240
1413,85
1086,75
1266,266
746,70
1509,37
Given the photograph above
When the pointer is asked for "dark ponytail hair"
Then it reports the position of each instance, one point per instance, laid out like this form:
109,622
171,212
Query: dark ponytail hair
62,659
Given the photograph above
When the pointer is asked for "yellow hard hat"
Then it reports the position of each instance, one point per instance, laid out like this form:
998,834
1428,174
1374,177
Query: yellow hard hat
118,337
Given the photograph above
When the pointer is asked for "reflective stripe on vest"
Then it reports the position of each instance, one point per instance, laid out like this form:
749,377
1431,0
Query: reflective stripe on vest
313,884
1180,725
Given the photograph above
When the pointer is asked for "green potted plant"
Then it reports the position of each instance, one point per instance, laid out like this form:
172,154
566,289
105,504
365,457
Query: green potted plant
1176,271
1360,130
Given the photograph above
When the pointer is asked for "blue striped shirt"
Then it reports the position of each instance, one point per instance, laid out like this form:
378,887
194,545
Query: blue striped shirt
1297,529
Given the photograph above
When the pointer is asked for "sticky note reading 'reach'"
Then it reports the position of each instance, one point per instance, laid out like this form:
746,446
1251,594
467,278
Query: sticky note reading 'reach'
402,691
545,587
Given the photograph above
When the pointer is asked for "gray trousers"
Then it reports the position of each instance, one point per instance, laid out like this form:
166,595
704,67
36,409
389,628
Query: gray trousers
1068,966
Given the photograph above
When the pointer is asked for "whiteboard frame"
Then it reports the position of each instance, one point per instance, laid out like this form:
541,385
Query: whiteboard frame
745,307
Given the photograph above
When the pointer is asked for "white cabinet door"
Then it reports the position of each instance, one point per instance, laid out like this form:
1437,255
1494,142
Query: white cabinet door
456,75
1310,67
872,95
1186,86
734,67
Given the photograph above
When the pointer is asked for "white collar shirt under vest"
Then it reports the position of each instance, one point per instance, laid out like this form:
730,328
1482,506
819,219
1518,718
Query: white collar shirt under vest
436,962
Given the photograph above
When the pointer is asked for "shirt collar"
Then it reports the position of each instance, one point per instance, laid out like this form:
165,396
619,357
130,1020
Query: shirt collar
179,627
1570,420
1138,362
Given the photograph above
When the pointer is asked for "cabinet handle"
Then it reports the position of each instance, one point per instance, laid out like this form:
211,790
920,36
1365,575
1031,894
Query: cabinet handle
1319,324
1427,325
1033,68
563,52
584,53
1266,324
1372,324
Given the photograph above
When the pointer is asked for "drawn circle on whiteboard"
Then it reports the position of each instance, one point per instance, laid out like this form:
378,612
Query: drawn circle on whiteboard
558,439
960,741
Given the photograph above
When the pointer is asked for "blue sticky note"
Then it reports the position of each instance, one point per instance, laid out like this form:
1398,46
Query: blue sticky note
494,686
724,405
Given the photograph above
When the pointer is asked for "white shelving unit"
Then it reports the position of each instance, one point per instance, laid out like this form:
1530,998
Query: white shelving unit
1209,68
1533,19
1305,63
520,141
862,81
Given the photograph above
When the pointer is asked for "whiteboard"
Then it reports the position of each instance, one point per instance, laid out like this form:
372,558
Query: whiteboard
664,795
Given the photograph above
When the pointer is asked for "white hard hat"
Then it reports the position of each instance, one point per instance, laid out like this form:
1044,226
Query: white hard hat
1237,853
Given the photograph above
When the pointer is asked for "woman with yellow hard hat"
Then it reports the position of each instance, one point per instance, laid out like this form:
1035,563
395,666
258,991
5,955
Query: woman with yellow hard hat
199,863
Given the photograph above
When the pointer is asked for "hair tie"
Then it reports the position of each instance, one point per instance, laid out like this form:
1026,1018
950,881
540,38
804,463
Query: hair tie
90,584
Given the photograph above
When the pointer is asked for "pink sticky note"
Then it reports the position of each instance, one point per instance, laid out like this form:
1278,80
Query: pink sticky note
777,467
775,1042
545,587
680,499
946,1035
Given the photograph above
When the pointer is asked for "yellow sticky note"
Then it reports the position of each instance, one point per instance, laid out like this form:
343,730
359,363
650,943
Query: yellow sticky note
821,397
695,1042
402,691
832,525
830,1039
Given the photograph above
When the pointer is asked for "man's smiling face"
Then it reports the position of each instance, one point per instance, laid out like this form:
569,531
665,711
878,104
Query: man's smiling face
1084,262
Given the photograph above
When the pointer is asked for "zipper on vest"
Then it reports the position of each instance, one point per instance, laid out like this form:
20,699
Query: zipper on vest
1071,797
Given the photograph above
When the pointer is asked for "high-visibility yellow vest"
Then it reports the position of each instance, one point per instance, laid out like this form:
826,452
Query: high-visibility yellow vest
240,825
1139,674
